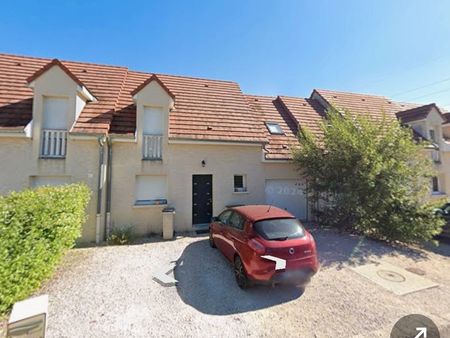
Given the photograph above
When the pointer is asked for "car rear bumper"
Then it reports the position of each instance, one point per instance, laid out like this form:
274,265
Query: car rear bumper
299,273
295,277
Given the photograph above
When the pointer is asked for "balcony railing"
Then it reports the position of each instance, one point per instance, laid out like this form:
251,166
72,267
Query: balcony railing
54,143
436,156
152,147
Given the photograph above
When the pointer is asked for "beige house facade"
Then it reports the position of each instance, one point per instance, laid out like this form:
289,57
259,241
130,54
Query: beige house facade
146,142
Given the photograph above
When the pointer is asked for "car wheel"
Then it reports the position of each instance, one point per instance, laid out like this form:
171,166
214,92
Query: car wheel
240,274
211,240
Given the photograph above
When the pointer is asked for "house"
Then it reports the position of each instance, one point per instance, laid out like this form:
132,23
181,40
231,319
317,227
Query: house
145,141
427,121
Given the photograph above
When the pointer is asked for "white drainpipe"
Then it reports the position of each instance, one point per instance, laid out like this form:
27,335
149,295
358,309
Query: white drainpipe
101,178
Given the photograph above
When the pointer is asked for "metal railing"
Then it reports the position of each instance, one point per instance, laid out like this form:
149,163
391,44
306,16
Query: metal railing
54,143
152,147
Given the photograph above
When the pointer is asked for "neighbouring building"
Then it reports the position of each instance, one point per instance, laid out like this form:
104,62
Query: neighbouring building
144,141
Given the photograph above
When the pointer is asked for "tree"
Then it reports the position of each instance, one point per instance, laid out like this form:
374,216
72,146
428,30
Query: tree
368,175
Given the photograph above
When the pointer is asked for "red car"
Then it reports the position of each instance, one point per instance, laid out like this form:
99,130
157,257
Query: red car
266,244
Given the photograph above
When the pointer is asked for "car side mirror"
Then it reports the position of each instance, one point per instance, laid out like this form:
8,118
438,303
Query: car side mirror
215,219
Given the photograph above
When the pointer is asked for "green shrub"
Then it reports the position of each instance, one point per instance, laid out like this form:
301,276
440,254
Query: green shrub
37,227
121,235
369,176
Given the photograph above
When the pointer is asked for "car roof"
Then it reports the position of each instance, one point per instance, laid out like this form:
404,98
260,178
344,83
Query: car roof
256,213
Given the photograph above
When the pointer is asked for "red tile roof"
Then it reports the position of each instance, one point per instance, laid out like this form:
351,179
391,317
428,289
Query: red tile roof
308,113
210,110
15,97
270,109
204,109
374,105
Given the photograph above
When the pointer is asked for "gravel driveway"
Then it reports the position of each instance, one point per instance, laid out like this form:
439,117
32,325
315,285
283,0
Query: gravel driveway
109,292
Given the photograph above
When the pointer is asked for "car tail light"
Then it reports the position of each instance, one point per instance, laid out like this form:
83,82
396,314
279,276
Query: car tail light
257,246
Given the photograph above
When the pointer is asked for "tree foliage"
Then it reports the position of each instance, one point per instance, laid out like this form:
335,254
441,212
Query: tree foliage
370,176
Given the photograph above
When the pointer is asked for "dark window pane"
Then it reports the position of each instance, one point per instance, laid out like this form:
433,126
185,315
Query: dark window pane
279,228
238,181
223,217
236,221
432,135
274,128
435,184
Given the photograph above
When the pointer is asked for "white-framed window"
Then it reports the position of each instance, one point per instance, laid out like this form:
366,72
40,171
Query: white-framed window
150,190
55,119
153,121
55,113
274,128
435,184
152,140
240,183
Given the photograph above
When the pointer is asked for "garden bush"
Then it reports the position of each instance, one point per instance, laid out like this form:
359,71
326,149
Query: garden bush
121,235
369,176
37,227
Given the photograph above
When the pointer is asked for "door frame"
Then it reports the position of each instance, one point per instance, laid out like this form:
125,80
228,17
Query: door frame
193,200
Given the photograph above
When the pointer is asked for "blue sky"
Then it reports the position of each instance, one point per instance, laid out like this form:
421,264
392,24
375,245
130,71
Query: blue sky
268,47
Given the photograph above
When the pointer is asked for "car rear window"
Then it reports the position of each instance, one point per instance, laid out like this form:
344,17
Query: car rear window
279,229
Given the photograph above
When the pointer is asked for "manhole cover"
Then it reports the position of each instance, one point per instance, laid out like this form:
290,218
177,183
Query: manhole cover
391,276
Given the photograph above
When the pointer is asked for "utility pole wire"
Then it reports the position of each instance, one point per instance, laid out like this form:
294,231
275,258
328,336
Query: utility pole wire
421,87
429,94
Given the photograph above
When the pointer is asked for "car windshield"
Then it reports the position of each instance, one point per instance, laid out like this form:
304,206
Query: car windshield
279,228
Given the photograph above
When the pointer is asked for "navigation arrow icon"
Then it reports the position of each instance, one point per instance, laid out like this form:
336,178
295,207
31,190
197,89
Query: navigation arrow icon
422,332
279,262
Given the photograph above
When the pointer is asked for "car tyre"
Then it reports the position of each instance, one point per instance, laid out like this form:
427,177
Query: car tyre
211,240
240,274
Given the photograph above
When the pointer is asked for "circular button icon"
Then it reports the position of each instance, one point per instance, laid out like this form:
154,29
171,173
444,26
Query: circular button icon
415,326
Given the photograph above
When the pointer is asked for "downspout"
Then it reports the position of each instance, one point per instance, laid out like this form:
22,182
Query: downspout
101,142
108,190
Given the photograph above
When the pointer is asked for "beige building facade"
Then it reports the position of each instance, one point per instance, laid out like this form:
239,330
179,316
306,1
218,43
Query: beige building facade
144,143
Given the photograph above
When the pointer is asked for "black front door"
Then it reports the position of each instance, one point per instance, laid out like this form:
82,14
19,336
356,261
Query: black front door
201,199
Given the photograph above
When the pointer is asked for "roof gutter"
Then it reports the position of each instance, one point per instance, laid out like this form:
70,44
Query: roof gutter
216,142
13,133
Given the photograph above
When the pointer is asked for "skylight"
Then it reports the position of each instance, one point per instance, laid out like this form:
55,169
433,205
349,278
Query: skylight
274,128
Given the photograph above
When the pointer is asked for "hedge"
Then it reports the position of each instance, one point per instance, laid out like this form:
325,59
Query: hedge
37,227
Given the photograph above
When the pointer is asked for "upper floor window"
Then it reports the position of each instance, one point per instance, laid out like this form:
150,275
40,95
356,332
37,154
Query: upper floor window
433,135
152,133
435,184
274,128
54,127
153,121
240,183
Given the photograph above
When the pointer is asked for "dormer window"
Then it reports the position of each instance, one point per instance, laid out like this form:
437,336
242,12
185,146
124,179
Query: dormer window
153,102
152,133
54,127
274,128
59,98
